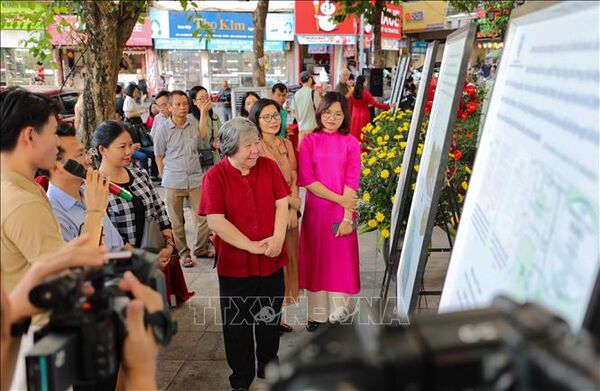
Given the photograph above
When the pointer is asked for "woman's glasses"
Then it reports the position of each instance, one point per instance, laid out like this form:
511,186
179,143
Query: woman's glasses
337,115
269,117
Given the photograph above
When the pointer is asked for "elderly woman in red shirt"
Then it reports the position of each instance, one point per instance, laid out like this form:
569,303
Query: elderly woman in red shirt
244,198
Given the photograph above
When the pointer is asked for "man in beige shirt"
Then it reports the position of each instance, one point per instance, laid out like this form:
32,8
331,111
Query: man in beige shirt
28,227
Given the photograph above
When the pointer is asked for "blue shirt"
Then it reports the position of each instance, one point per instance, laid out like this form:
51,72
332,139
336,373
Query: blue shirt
71,216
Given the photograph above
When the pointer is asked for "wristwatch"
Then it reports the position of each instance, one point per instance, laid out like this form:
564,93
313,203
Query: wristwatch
349,221
163,327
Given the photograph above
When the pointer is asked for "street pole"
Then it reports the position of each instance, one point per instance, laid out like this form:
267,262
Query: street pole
361,46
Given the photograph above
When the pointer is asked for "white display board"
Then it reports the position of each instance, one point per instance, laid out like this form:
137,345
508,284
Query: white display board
399,79
432,167
412,142
530,224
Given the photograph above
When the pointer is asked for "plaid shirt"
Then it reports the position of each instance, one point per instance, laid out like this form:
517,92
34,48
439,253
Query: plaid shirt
122,213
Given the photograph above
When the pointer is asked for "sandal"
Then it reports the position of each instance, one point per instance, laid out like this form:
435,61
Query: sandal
187,262
205,254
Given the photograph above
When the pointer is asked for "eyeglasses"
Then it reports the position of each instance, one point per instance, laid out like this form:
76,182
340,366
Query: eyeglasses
269,117
337,115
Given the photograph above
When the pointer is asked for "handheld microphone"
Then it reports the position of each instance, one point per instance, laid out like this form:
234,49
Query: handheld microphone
72,167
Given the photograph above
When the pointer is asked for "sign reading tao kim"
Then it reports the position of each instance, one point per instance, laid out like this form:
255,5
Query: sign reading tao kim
231,25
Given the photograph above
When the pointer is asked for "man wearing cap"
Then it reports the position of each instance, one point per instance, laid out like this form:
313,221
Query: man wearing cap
306,102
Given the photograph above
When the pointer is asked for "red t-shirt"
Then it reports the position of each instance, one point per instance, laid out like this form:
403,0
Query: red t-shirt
248,202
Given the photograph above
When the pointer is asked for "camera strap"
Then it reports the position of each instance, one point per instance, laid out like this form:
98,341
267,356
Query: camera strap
162,325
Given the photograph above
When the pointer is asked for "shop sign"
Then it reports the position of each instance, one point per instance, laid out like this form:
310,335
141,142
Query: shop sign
69,36
141,34
419,47
14,39
13,16
327,39
315,17
391,27
241,45
232,25
318,49
390,44
279,27
179,44
424,15
159,23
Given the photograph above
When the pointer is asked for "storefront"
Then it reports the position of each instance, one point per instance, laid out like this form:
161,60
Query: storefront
18,66
228,55
67,44
422,22
323,45
329,46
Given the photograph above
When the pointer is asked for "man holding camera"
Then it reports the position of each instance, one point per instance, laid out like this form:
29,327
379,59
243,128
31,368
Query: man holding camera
140,350
30,230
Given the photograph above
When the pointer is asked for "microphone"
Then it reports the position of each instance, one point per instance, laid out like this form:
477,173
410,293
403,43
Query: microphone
72,167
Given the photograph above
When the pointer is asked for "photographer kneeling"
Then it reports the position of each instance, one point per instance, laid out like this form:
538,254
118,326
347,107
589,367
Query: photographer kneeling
140,349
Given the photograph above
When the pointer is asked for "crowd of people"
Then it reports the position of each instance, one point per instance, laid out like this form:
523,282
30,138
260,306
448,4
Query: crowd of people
240,176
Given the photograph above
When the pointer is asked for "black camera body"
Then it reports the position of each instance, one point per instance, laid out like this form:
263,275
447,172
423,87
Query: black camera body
82,342
505,347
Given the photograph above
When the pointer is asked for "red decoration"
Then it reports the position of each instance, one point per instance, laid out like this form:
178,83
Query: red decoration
457,154
428,106
471,90
472,107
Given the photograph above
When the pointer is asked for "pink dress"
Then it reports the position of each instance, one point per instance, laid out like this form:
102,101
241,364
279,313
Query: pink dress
328,263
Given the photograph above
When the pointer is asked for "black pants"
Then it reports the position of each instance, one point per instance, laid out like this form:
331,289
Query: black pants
250,307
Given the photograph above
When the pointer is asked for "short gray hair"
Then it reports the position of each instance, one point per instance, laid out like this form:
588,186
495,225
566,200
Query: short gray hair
234,131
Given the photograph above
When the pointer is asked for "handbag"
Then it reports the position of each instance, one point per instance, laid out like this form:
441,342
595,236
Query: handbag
145,138
206,157
152,238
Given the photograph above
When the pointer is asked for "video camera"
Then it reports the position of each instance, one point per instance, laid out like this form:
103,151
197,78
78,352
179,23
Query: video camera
82,343
504,347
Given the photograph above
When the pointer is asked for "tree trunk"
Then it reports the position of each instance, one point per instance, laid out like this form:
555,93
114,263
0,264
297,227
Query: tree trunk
376,23
260,19
108,27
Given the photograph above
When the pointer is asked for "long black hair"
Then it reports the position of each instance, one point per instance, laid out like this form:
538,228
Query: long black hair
243,111
258,108
359,87
193,109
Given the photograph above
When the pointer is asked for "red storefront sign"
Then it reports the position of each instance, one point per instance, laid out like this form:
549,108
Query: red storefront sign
141,35
391,28
315,17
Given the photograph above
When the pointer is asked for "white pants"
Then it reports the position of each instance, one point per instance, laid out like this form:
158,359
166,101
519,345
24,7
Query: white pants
328,306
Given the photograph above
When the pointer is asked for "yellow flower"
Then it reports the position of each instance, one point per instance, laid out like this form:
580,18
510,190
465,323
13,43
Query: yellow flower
366,171
372,223
385,233
393,199
403,145
366,197
397,169
391,154
413,186
397,137
372,161
385,174
468,170
377,129
417,167
381,155
386,137
464,185
461,198
419,149
379,217
379,140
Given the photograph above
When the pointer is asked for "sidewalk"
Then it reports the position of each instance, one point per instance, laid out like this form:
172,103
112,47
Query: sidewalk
195,359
